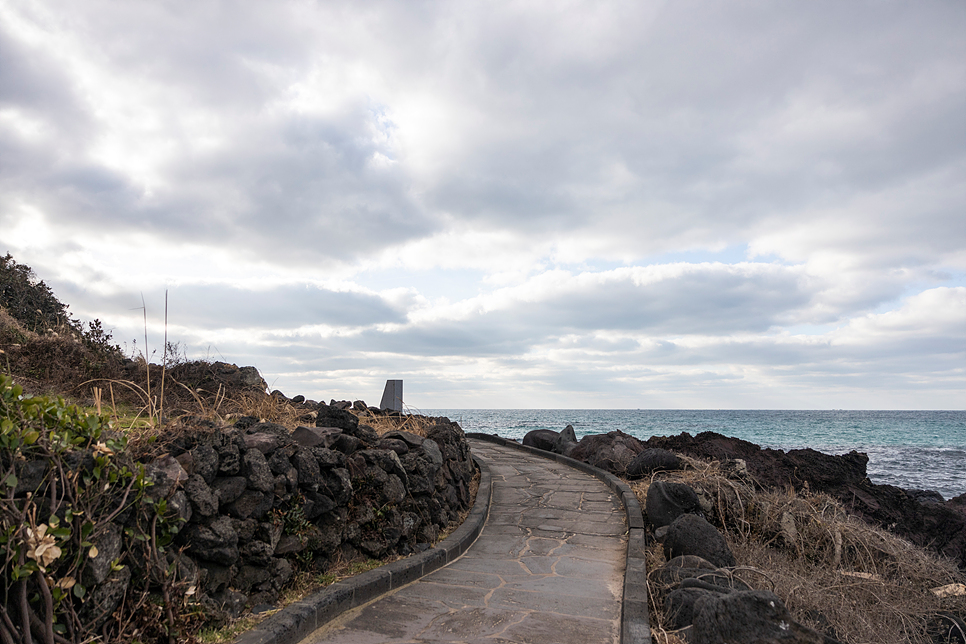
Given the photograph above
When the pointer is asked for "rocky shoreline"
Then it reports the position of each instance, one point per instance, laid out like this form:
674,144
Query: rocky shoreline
719,509
921,516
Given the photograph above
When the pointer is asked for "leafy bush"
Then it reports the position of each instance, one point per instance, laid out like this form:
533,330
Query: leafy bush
29,301
74,353
76,515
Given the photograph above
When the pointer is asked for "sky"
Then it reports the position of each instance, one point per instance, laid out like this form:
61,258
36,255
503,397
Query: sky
755,205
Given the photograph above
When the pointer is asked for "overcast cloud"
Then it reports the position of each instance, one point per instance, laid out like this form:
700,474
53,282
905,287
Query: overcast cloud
540,204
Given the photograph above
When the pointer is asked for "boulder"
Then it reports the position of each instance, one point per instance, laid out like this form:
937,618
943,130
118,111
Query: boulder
282,573
667,501
280,461
433,453
30,475
333,416
569,434
412,440
264,427
246,377
328,458
216,542
215,576
653,460
541,439
400,447
289,544
264,442
228,488
82,460
229,459
386,460
256,471
269,532
246,422
205,460
316,504
926,496
244,528
678,571
451,442
566,441
179,507
612,451
307,466
421,468
230,601
337,484
313,436
690,534
347,444
257,553
108,544
166,474
367,435
203,501
754,616
680,605
105,598
251,504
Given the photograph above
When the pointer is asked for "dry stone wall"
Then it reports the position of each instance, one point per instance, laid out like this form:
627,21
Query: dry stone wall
256,496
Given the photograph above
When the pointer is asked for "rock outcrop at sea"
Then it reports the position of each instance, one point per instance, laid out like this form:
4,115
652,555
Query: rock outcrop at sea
920,516
934,525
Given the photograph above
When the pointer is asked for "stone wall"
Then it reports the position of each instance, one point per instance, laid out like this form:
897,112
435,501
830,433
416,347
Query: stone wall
256,496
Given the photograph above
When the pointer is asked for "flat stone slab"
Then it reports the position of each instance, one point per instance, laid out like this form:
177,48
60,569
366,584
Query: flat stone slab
548,568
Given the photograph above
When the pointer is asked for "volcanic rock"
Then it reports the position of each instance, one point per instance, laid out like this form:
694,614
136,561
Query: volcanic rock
652,460
613,451
690,534
541,439
749,616
667,501
940,527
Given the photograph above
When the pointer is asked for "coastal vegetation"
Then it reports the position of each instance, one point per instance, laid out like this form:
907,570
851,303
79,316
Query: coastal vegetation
836,573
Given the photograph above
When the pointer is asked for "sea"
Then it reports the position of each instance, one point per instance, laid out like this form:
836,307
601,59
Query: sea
921,450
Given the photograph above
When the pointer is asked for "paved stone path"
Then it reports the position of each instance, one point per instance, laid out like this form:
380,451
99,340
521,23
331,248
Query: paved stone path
547,568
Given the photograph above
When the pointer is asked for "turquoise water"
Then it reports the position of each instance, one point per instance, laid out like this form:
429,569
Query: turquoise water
910,449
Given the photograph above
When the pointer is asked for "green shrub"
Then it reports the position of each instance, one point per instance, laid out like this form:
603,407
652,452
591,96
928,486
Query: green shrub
29,301
66,485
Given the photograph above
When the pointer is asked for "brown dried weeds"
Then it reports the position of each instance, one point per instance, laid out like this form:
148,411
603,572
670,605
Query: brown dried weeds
836,573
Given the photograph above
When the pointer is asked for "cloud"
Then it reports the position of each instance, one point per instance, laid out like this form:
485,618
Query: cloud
725,203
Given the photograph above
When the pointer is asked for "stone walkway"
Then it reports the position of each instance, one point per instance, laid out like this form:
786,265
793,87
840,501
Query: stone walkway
548,568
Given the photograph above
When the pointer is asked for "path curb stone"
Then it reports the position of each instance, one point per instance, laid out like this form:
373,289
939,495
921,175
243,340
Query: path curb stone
296,621
635,621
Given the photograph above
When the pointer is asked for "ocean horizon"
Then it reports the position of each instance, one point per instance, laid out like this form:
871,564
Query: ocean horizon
911,449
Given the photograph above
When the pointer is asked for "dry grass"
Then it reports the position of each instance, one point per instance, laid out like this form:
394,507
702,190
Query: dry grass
267,408
412,423
661,636
831,569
